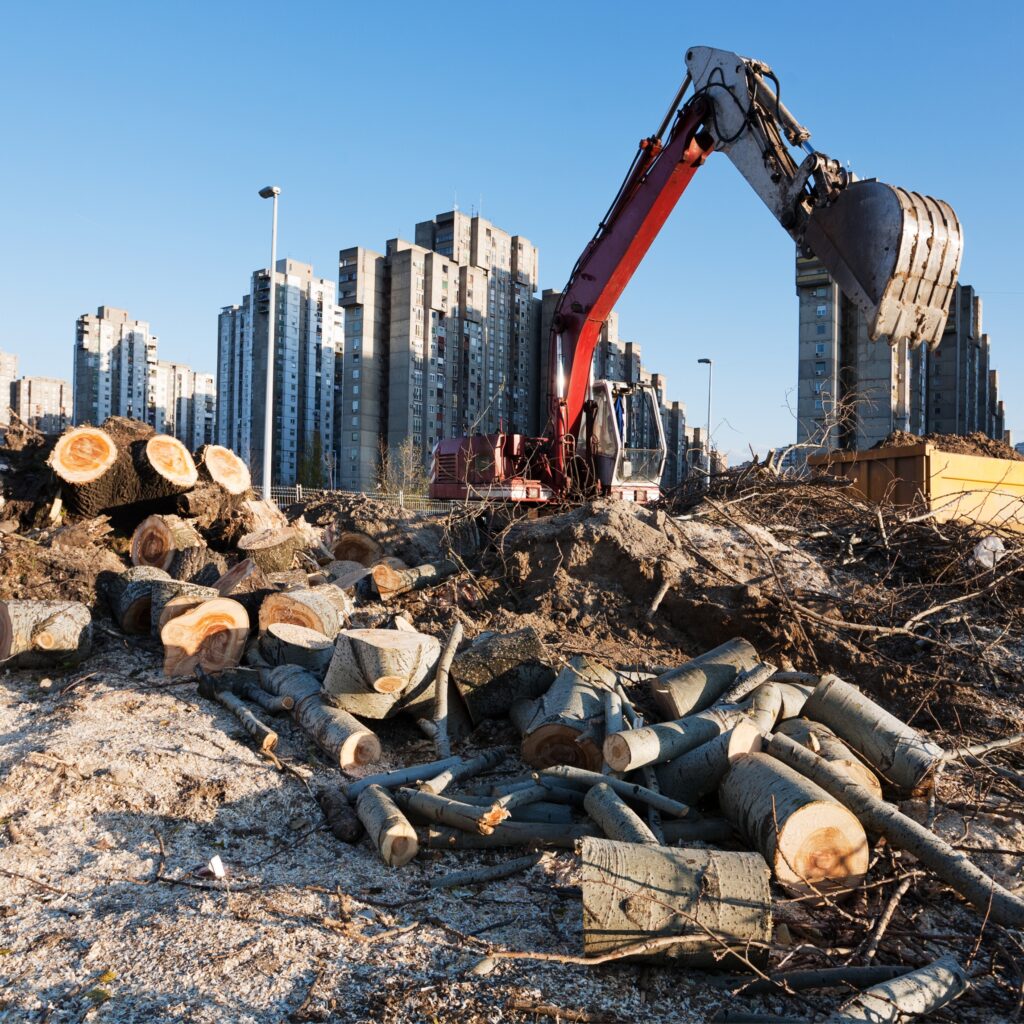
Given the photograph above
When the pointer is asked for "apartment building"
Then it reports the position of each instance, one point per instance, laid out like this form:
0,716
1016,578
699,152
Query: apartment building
114,355
308,337
8,375
42,402
181,403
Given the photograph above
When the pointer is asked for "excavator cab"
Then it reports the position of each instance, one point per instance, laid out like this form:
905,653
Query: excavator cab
627,440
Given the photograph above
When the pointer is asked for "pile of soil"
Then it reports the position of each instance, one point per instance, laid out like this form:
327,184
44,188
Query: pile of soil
973,444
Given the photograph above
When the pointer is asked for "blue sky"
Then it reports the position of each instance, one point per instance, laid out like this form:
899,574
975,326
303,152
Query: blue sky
136,137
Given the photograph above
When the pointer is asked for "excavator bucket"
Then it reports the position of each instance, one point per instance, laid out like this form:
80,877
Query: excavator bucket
894,253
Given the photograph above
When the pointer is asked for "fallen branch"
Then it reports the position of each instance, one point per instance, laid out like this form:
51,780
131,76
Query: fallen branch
492,873
442,744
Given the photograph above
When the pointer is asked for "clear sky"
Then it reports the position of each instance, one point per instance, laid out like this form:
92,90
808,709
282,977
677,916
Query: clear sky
137,135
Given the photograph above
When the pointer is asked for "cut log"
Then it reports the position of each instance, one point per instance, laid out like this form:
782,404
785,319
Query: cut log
264,737
224,519
952,866
824,742
746,682
353,546
42,634
565,775
699,683
400,776
165,540
129,595
177,606
616,819
693,775
323,609
372,668
706,830
289,579
84,460
210,636
901,754
273,549
487,761
285,644
389,830
339,814
567,723
433,808
509,834
389,582
718,901
613,720
345,575
245,683
495,672
164,467
442,741
162,592
811,842
244,577
223,467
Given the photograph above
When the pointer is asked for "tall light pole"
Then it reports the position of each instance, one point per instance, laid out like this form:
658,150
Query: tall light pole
707,436
270,192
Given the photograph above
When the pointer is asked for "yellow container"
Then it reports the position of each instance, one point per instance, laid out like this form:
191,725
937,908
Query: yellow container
976,488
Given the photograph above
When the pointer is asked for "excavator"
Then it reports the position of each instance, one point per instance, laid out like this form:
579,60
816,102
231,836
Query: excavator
895,254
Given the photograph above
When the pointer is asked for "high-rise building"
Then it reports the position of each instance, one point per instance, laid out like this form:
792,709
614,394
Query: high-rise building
8,374
42,402
113,358
203,411
182,403
308,336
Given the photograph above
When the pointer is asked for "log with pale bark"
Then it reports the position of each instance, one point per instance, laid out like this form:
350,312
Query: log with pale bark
699,683
339,815
285,644
811,841
746,682
211,636
322,609
389,582
163,466
224,519
389,829
566,724
401,776
164,592
567,776
43,634
262,735
439,715
273,548
824,742
531,834
467,769
693,775
221,466
246,683
894,749
717,902
616,819
431,807
129,596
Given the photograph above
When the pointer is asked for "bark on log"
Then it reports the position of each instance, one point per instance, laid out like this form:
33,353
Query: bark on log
324,610
810,840
163,466
85,459
41,634
510,834
129,595
389,582
568,776
164,591
718,900
389,830
699,683
400,776
263,736
492,873
246,683
952,866
442,741
353,546
210,636
911,995
224,468
746,682
167,542
494,673
901,754
285,644
244,577
613,720
543,812
339,814
467,817
707,830
615,818
693,775
824,742
273,549
484,762
567,723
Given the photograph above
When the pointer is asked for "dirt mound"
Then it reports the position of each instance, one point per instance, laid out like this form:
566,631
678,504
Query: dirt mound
973,444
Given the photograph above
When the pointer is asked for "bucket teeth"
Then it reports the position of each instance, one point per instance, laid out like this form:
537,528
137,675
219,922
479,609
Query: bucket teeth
895,253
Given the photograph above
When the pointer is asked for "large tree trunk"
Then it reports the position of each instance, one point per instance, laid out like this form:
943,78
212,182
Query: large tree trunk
86,459
892,747
691,776
285,644
699,683
566,725
224,468
129,595
273,549
389,582
389,830
163,592
211,636
164,467
323,609
824,742
811,842
617,820
711,899
42,634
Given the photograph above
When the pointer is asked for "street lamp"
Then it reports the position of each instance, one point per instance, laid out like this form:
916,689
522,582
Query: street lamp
707,439
270,192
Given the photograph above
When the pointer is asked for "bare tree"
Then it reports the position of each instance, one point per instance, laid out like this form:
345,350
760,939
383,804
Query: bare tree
402,468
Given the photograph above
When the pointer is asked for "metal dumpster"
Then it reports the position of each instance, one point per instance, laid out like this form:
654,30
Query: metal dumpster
977,488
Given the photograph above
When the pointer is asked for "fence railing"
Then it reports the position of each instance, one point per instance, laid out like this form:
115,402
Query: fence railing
285,496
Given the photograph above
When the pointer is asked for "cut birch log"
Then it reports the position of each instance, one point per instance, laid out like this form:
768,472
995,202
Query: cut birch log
389,582
389,830
717,901
901,754
400,776
164,591
567,776
699,683
170,543
615,818
498,670
706,830
613,720
487,761
285,644
84,460
210,636
442,741
911,995
353,546
164,467
510,834
693,775
371,669
824,742
746,682
273,548
223,467
262,735
492,873
41,634
567,723
323,609
952,866
441,810
811,841
245,683
129,595
339,814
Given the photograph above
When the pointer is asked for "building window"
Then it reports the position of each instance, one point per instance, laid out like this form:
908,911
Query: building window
819,369
819,349
821,292
817,404
822,328
821,311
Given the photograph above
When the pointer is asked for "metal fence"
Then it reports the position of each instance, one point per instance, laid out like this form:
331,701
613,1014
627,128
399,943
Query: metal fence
285,496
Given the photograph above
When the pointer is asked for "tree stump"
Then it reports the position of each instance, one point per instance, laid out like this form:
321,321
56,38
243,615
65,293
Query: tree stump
162,592
41,634
699,683
273,549
223,467
810,840
389,830
211,636
353,546
286,644
711,899
129,595
824,742
164,467
322,609
695,774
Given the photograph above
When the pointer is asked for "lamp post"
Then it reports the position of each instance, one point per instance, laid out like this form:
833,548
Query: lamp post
707,437
270,192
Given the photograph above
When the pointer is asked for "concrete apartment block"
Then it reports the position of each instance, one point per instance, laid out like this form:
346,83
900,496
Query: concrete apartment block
232,427
42,402
182,403
8,375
